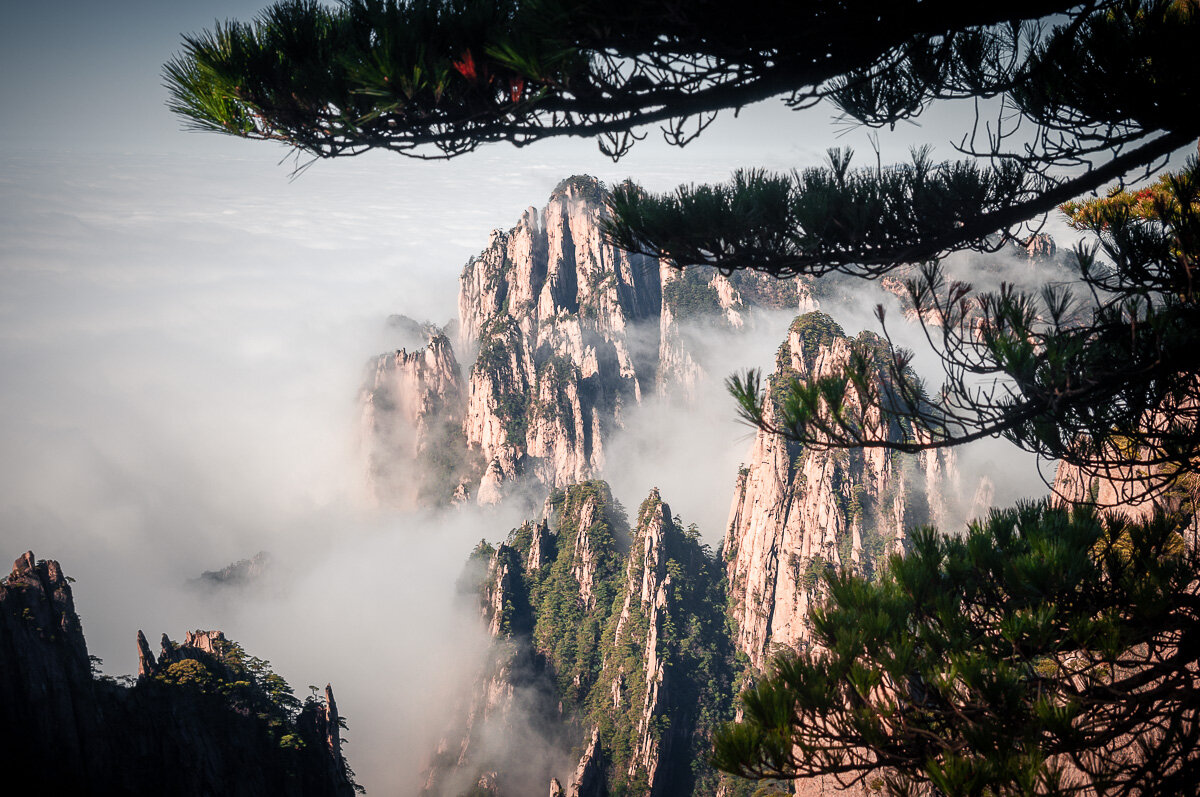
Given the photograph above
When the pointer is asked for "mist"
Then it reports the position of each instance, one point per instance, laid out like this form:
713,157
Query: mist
692,450
183,344
181,379
691,447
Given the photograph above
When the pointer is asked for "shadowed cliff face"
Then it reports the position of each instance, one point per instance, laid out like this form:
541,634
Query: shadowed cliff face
610,662
203,718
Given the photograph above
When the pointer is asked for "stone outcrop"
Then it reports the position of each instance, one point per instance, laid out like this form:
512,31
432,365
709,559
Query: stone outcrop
565,335
412,419
647,593
241,573
47,697
799,510
556,315
588,780
620,634
198,721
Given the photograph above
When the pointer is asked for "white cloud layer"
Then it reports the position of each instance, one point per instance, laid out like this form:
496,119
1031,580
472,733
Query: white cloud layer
182,342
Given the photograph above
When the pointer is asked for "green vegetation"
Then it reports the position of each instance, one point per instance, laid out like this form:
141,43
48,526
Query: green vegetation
595,648
585,186
690,294
230,685
693,646
515,615
813,569
495,342
247,683
816,331
513,409
472,579
499,346
993,664
554,376
567,629
763,290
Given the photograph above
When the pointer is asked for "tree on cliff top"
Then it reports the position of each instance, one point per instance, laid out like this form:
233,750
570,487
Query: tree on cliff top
1047,651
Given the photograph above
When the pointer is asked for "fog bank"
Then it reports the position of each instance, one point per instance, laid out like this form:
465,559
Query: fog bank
182,346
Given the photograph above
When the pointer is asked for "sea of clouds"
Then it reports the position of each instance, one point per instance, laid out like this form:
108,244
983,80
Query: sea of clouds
183,341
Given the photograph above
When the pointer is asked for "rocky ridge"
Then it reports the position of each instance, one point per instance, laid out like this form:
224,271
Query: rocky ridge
610,637
797,511
609,646
618,647
202,718
565,334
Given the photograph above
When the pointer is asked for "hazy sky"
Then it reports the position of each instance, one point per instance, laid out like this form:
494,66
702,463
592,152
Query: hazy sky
183,332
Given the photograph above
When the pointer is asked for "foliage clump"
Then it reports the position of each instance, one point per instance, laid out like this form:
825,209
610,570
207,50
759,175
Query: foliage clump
690,295
500,343
247,683
584,187
568,626
1047,651
591,629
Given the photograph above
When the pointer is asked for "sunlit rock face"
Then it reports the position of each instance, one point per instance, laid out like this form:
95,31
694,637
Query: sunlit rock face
561,323
564,334
797,510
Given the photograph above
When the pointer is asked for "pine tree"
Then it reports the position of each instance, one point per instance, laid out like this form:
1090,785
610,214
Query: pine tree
1045,652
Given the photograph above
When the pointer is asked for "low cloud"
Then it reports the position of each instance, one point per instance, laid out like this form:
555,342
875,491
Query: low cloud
181,368
182,348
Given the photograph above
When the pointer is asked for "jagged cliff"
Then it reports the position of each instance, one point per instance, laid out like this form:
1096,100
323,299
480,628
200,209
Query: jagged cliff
610,651
557,317
203,718
616,650
565,334
412,420
798,510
